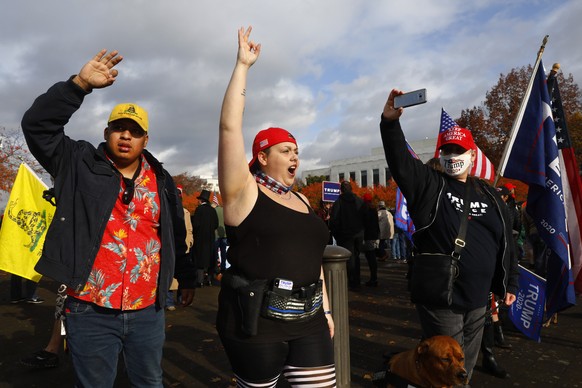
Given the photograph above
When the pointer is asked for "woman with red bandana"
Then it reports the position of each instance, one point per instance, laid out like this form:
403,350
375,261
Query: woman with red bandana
277,243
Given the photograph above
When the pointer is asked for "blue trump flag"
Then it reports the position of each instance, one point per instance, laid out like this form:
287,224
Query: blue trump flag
532,157
402,219
527,313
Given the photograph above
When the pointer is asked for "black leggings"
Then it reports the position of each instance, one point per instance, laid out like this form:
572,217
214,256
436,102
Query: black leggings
311,357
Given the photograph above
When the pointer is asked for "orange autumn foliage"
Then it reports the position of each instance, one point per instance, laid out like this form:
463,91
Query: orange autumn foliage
387,194
190,201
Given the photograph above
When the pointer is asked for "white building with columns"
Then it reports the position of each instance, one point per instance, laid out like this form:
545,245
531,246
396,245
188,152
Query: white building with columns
370,170
211,182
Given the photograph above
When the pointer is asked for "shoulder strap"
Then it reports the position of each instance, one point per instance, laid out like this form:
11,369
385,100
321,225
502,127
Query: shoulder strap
460,240
301,199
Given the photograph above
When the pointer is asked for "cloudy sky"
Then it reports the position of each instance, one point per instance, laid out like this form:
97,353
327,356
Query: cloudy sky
324,72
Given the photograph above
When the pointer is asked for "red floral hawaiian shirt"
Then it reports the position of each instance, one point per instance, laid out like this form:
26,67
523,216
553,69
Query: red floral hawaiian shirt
125,273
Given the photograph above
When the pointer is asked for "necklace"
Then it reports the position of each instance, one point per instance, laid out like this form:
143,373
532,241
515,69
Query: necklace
288,196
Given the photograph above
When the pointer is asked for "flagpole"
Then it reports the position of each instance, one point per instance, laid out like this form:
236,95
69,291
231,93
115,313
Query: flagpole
34,174
517,121
552,77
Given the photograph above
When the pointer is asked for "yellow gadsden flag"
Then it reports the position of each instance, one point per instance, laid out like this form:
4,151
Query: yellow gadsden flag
24,225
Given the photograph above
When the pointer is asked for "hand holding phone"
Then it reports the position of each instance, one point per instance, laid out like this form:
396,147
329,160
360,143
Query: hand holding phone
410,99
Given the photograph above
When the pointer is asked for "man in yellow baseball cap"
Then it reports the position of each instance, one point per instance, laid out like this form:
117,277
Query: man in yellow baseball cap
118,236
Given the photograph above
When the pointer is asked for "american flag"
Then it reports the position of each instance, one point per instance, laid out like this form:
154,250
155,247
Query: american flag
571,183
482,167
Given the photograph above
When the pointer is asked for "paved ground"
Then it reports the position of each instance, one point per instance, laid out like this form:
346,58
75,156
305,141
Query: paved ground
381,320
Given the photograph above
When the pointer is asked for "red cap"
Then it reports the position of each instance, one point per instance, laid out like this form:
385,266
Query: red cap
367,197
269,137
459,136
503,190
510,186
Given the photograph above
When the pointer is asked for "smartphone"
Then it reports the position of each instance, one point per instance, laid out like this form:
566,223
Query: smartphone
410,99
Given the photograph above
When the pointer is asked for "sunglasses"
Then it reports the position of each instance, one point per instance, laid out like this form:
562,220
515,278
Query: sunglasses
127,195
134,130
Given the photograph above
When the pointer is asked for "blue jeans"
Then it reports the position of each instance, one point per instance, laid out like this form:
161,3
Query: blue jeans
396,246
97,335
170,299
402,241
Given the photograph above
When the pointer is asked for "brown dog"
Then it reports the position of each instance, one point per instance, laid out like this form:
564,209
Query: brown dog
436,362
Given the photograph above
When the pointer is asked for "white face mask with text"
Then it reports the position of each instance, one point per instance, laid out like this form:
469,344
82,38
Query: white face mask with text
456,164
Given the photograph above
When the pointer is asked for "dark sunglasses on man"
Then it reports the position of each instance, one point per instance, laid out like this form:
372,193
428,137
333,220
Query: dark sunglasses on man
127,195
134,129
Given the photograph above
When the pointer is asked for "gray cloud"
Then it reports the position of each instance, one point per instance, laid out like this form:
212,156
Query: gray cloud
324,73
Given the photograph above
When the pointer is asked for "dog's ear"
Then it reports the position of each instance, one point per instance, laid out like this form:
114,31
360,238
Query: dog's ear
422,347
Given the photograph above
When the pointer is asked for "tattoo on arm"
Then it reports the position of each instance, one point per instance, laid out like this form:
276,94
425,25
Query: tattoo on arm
244,92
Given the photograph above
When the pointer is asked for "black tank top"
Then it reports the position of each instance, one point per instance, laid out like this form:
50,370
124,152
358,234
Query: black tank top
274,242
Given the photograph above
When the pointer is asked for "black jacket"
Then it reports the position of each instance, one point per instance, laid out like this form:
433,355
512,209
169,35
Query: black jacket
423,187
86,188
347,216
371,224
204,225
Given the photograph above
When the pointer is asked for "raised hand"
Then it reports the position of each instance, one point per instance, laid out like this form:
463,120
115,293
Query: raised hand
248,51
99,72
390,113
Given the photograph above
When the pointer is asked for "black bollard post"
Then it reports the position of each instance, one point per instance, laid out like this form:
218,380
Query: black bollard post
336,281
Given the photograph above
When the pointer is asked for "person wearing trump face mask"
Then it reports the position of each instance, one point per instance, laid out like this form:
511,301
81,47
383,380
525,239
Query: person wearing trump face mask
435,202
454,158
